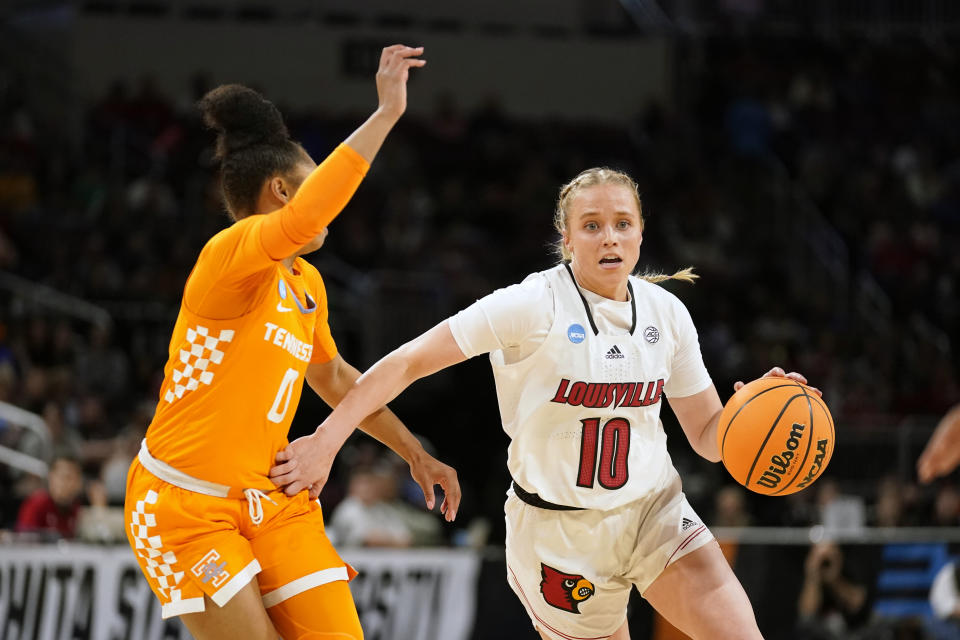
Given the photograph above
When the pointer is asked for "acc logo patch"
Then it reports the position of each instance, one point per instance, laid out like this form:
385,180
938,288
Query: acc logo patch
651,334
576,333
564,590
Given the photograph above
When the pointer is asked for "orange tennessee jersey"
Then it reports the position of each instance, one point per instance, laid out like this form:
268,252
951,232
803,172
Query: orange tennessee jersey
247,329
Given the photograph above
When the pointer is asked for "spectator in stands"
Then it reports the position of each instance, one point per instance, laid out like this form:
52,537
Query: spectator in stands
836,509
53,511
831,604
888,507
373,515
946,506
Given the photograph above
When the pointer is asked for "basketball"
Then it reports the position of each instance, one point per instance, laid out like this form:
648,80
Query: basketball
776,436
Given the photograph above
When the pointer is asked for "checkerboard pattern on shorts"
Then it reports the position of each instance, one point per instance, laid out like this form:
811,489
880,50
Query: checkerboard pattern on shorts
159,564
195,363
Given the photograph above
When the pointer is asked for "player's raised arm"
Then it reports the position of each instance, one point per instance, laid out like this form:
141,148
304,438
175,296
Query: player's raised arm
395,64
328,188
263,170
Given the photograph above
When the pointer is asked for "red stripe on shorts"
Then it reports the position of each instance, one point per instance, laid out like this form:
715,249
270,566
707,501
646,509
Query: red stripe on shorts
683,544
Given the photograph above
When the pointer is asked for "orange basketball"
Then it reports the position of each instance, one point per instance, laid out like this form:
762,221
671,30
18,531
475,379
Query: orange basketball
776,436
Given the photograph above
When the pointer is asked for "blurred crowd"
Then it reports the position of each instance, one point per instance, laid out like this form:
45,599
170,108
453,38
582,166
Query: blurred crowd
768,148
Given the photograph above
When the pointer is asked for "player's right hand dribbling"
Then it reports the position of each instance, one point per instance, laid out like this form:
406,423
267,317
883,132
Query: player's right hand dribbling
395,64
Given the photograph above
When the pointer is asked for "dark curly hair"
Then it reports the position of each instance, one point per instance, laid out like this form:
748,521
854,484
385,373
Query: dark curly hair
253,144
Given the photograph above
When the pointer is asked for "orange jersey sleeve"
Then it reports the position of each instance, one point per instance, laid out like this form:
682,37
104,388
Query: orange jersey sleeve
220,284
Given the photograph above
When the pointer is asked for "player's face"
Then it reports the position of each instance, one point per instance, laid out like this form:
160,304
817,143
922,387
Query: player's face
299,175
604,235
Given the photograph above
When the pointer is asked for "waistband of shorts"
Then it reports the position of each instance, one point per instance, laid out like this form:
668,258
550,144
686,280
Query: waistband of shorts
534,500
178,478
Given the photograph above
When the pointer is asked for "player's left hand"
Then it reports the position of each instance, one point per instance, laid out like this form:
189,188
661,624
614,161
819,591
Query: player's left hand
428,472
777,372
305,464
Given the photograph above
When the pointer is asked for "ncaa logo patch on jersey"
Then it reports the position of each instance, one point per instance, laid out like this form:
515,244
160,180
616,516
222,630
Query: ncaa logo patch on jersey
651,334
576,333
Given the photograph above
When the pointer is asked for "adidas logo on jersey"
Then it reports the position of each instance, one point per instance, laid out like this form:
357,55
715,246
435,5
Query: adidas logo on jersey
614,353
688,523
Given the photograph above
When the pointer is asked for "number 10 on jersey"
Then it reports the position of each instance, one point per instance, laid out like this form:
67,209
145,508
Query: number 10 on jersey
613,441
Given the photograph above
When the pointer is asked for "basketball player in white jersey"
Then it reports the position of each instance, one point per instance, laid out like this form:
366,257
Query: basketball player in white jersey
583,355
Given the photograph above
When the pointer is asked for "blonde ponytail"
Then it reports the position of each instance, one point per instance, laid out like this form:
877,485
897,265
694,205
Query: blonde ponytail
685,275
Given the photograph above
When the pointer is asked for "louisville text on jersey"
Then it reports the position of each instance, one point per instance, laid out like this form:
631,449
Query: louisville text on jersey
288,342
608,394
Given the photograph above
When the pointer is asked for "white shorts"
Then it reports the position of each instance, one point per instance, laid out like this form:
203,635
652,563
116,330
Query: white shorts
573,570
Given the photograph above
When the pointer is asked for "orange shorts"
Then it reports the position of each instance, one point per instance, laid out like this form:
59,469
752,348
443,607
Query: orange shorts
189,545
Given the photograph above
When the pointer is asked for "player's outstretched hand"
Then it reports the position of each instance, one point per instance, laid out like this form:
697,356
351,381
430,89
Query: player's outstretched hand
395,64
305,464
777,372
428,472
942,453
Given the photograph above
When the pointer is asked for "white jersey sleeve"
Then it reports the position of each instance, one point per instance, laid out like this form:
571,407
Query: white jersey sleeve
515,320
688,374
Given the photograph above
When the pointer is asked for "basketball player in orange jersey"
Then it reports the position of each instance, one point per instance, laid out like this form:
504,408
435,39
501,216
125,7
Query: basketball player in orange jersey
582,356
221,548
942,453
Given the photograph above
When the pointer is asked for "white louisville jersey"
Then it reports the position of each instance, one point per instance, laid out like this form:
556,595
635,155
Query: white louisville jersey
583,410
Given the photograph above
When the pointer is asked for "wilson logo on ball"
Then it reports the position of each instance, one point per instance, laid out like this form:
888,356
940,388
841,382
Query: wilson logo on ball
781,462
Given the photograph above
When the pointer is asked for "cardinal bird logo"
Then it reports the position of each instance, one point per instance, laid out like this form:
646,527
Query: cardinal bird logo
564,590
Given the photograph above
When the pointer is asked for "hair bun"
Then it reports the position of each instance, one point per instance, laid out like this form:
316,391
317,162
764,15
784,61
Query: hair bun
242,118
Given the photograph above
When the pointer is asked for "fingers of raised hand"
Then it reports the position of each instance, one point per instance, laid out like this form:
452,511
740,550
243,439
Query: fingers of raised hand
406,52
389,52
738,385
396,54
